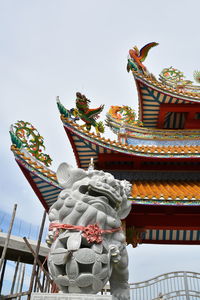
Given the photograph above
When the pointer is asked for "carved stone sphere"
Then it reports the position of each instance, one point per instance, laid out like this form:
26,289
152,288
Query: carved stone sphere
77,266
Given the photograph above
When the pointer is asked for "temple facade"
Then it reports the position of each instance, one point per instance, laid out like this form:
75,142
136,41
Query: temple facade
159,153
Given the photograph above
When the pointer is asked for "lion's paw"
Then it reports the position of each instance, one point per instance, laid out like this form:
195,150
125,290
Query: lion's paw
114,253
121,294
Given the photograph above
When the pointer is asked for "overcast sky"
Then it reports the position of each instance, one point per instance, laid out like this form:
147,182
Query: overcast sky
59,47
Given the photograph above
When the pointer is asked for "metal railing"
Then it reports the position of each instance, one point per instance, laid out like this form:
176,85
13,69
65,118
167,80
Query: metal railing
175,285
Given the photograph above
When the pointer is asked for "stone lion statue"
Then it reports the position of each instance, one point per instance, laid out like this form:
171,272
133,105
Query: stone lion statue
87,242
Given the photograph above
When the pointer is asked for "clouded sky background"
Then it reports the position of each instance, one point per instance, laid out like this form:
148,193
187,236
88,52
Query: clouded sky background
59,47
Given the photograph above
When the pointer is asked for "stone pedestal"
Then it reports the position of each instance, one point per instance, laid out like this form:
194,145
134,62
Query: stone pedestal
50,296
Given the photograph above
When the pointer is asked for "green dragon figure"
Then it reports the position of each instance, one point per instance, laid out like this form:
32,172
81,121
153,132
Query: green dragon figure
87,114
24,134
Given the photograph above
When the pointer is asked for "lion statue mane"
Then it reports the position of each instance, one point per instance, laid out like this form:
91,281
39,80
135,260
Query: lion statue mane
87,243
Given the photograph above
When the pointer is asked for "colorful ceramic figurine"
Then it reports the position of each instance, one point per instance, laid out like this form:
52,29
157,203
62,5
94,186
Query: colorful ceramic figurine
87,114
138,56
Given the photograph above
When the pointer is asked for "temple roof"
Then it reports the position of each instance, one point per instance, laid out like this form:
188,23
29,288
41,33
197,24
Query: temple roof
153,94
86,145
165,102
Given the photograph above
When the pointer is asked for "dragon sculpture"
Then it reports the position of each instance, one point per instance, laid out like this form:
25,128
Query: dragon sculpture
25,135
87,242
88,115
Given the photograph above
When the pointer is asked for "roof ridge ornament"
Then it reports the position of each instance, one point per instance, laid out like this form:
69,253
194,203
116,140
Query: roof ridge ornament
25,135
121,118
91,165
136,57
83,112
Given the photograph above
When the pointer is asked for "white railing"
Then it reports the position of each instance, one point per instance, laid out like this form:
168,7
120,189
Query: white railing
175,285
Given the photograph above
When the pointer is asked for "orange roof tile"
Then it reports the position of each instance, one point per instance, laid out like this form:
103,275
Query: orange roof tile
168,190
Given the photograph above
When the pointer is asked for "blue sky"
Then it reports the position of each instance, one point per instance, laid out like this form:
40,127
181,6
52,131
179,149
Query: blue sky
51,48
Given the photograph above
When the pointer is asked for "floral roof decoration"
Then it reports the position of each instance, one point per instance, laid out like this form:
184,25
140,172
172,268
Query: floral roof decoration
175,78
25,135
121,116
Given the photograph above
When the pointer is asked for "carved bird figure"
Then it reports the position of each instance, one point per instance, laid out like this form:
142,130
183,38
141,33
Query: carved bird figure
140,55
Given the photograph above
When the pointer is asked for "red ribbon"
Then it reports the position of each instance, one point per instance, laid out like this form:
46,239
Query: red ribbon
92,232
